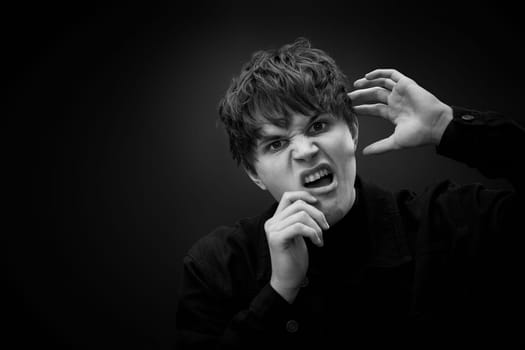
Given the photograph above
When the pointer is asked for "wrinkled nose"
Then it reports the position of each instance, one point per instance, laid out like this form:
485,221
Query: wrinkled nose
304,148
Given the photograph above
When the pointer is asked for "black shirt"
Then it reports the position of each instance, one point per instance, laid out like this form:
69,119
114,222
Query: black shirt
439,268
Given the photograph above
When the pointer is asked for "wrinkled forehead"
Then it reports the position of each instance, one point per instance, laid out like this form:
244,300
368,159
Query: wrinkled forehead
283,119
270,125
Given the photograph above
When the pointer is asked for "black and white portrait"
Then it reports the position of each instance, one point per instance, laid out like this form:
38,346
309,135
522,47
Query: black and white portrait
236,175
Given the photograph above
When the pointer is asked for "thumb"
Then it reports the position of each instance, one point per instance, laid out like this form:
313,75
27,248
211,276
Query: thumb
381,146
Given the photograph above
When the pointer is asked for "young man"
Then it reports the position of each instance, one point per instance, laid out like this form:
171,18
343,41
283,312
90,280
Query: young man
339,260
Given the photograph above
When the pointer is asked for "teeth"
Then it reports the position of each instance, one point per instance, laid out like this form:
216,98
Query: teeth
317,175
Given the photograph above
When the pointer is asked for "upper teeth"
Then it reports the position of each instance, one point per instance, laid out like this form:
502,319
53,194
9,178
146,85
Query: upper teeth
315,176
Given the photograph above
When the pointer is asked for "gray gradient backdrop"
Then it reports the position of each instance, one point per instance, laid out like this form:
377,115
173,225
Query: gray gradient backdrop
122,166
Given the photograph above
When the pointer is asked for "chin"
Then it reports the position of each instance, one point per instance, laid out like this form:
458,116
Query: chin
337,209
333,213
334,216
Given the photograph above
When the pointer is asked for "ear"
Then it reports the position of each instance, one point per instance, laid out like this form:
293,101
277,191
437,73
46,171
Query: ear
256,179
355,132
355,136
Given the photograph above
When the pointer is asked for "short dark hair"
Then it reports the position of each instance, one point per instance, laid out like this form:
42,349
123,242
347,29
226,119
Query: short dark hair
274,85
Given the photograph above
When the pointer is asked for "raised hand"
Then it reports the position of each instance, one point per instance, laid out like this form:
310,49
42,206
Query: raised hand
419,117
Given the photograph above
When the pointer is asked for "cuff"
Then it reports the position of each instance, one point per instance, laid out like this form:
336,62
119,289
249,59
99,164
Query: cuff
272,309
465,138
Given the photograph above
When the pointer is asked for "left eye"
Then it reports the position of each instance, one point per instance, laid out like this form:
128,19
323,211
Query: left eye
318,126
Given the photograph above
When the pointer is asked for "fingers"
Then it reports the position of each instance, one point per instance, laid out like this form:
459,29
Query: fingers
369,96
307,223
301,206
375,110
385,73
375,87
290,197
295,215
381,146
380,82
301,229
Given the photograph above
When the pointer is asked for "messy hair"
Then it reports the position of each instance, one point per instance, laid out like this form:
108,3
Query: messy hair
276,84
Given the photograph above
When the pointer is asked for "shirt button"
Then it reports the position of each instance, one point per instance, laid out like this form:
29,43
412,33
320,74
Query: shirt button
305,282
292,326
467,117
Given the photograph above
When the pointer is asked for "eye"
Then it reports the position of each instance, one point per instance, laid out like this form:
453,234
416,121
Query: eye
276,145
318,126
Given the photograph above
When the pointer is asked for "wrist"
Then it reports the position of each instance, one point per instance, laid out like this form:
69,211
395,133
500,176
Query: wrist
288,293
445,117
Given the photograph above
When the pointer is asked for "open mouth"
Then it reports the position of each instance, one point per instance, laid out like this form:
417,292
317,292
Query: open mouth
320,178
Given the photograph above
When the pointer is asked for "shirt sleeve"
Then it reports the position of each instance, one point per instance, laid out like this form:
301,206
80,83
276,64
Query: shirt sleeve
494,145
487,141
209,318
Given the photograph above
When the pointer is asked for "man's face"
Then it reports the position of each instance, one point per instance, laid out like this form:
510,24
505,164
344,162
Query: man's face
313,154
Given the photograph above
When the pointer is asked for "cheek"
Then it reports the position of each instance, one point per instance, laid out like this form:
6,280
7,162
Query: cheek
347,149
278,178
344,156
345,146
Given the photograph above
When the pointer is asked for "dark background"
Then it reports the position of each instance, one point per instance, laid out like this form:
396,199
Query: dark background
118,165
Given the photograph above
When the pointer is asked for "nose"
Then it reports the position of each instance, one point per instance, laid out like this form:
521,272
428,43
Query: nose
304,148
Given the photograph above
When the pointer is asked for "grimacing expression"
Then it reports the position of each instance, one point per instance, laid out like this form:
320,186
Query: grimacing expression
314,154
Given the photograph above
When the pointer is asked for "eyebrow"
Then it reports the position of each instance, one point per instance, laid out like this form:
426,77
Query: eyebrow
264,138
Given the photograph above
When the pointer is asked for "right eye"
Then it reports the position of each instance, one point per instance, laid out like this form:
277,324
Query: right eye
276,145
